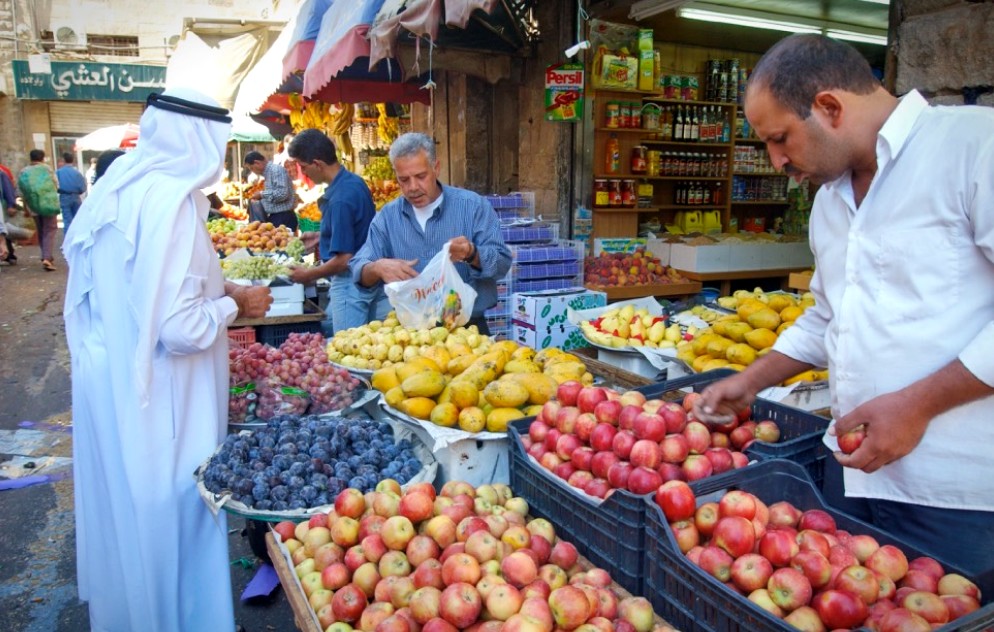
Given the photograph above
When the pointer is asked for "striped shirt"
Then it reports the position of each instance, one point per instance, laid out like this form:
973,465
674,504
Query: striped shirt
278,196
396,234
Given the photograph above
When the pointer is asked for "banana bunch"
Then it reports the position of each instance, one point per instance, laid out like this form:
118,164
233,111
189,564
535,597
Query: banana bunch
387,127
305,115
340,127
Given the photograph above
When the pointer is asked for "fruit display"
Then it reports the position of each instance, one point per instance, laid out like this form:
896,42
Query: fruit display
477,391
464,558
296,463
221,225
233,212
253,268
310,211
256,236
613,269
801,566
300,364
631,326
598,440
734,340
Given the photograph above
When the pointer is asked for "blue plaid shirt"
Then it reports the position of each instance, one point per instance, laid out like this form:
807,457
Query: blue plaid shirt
396,234
278,196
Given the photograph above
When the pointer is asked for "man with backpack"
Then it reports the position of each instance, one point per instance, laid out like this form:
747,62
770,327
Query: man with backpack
39,192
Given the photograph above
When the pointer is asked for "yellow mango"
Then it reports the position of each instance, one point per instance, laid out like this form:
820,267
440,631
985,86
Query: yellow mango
498,418
791,313
414,366
505,394
462,394
700,343
394,397
760,338
445,415
779,302
417,407
384,379
541,388
783,326
748,307
700,361
543,356
459,364
522,366
424,384
472,419
523,353
764,319
740,353
736,331
805,376
437,354
565,371
717,363
533,410
718,347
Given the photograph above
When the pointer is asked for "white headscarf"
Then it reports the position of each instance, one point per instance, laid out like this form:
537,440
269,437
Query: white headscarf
141,196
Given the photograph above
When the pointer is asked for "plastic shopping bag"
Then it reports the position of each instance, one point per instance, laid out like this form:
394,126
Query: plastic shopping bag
436,297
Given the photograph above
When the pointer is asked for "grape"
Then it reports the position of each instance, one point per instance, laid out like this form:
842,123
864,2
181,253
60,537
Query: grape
253,268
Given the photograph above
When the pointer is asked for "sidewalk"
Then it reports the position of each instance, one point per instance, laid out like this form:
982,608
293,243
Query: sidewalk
37,542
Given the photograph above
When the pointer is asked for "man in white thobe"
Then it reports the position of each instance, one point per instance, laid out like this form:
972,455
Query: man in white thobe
146,314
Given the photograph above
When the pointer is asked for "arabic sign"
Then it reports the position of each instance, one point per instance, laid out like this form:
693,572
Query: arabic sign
88,81
564,93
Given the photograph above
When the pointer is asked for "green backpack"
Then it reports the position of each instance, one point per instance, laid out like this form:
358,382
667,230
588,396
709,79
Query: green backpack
38,190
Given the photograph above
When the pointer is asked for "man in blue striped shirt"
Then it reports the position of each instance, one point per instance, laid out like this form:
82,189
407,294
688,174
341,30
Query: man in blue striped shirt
278,197
410,230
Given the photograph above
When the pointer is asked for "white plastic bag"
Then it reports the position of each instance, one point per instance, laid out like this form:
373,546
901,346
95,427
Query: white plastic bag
436,297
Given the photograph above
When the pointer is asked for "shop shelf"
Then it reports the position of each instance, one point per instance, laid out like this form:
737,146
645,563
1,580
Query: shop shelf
801,432
608,532
693,601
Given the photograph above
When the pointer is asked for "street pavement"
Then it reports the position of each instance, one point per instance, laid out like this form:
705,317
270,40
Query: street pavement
37,541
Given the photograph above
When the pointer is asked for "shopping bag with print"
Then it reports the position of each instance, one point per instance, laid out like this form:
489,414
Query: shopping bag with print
436,297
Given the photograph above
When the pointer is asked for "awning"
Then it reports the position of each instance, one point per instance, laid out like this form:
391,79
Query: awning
264,78
216,69
305,33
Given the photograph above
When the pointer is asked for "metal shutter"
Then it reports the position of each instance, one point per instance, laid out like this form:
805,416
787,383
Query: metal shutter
73,118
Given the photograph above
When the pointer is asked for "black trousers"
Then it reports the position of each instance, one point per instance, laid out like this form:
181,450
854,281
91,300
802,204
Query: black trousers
284,218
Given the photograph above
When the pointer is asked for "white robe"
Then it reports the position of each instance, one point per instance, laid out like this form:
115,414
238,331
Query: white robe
149,554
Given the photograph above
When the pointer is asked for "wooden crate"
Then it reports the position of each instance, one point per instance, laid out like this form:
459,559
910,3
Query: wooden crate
799,281
618,293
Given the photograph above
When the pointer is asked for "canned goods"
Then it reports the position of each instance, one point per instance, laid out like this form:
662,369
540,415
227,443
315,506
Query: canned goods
601,195
612,115
625,114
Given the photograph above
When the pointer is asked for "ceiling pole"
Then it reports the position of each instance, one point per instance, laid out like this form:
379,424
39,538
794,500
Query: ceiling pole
894,18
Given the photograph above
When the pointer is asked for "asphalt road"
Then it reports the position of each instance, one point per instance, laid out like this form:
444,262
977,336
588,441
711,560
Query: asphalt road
37,542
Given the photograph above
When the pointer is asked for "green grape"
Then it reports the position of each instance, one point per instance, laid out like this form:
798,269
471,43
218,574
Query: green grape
295,249
253,268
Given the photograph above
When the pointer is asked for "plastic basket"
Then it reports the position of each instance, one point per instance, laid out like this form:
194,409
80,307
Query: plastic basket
693,601
609,533
275,335
241,337
547,270
801,432
533,233
537,285
308,225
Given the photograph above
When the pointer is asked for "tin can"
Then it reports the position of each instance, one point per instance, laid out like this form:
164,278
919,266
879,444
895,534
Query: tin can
635,115
612,115
625,114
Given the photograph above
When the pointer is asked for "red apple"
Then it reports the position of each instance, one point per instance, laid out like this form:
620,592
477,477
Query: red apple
784,514
326,555
779,547
585,424
564,555
767,431
721,459
638,612
805,619
460,605
425,604
859,580
646,453
580,479
811,540
789,588
642,480
761,597
716,562
348,603
318,520
602,462
350,503
818,520
622,444
740,436
569,606
607,412
919,580
688,401
815,567
367,577
720,440
959,605
588,398
649,426
428,573
632,398
626,418
437,624
394,563
956,584
441,529
565,422
675,448
598,488
850,441
677,500
839,608
927,565
696,467
565,470
581,458
416,506
675,417
863,546
685,534
890,561
618,475
568,391
738,503
928,606
706,517
566,444
751,572
602,437
671,472
548,413
552,576
519,569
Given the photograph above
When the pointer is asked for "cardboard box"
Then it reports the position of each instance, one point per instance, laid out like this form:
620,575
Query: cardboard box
660,249
617,72
700,258
286,308
620,244
287,293
565,336
542,310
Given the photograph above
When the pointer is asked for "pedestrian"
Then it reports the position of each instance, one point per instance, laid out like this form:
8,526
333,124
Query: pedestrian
4,253
72,186
104,161
91,173
904,247
147,311
347,209
39,192
8,205
277,196
409,231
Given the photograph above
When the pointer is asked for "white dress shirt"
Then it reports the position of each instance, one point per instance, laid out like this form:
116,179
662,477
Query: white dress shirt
904,285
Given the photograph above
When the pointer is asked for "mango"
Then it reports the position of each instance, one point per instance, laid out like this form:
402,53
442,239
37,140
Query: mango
384,379
505,394
736,331
718,347
700,343
416,365
462,394
749,307
760,338
716,363
533,410
523,353
783,326
522,366
764,319
445,415
740,353
424,384
498,418
459,364
700,361
541,388
437,354
543,356
791,313
394,397
417,407
779,302
472,419
565,371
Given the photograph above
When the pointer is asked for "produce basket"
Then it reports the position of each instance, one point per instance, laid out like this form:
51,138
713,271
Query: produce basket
308,225
608,532
275,335
693,601
241,336
801,432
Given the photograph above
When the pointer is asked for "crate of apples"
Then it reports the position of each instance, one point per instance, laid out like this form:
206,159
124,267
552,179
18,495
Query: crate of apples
616,269
767,555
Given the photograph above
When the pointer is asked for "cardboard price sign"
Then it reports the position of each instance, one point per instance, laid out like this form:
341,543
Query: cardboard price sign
564,93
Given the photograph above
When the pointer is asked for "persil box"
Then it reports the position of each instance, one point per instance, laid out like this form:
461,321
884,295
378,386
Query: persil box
541,310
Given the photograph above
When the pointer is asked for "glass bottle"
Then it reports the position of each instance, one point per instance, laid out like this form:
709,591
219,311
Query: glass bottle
612,162
695,127
678,126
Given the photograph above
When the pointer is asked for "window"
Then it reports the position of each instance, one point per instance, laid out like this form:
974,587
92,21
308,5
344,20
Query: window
107,45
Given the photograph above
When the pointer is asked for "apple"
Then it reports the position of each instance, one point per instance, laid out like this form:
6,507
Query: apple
597,577
467,526
315,538
397,532
428,573
598,488
394,563
326,555
401,590
706,517
956,584
344,531
889,561
568,392
370,524
542,527
888,589
517,536
789,588
721,459
537,609
859,580
720,440
646,453
903,620
675,417
519,569
805,619
696,467
685,534
814,565
652,406
608,412
285,529
564,555
784,514
366,577
839,608
735,534
927,605
293,544
740,436
674,448
850,441
419,549
649,426
602,462
677,500
818,520
761,597
437,624
694,555
569,606
581,458
602,437
553,576
385,504
565,423
460,604
841,557
311,582
487,583
689,400
959,605
632,398
425,603
348,603
863,546
497,524
617,475
538,588
779,547
482,545
350,503
642,480
585,424
811,540
538,429
638,612
927,565
738,503
416,506
374,614
919,580
626,418
566,444
565,470
441,529
751,572
716,562
767,431
580,479
504,601
739,460
461,567
671,472
335,576
622,443
299,556
607,605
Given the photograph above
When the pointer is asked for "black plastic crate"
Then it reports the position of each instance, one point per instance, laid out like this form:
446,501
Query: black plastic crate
693,601
801,432
275,335
609,533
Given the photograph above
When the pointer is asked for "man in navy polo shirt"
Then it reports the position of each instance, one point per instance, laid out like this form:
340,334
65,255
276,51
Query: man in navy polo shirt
346,211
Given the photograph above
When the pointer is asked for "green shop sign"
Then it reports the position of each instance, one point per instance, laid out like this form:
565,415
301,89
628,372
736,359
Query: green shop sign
88,81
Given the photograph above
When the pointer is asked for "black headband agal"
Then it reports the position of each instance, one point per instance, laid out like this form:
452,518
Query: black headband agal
189,108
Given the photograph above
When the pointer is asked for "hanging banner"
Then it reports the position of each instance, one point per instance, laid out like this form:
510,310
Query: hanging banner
88,81
564,93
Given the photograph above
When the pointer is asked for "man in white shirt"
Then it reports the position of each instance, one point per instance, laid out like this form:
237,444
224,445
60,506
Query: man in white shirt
903,236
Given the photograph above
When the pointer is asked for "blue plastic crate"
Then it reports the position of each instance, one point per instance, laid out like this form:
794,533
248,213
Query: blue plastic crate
547,284
547,270
532,233
548,253
801,432
693,601
609,533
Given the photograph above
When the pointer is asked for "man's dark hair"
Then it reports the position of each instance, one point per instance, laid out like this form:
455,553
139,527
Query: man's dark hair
312,144
68,158
800,66
36,155
253,157
104,160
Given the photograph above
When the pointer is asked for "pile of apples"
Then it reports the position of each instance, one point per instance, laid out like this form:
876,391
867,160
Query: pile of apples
613,269
598,440
463,559
797,565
